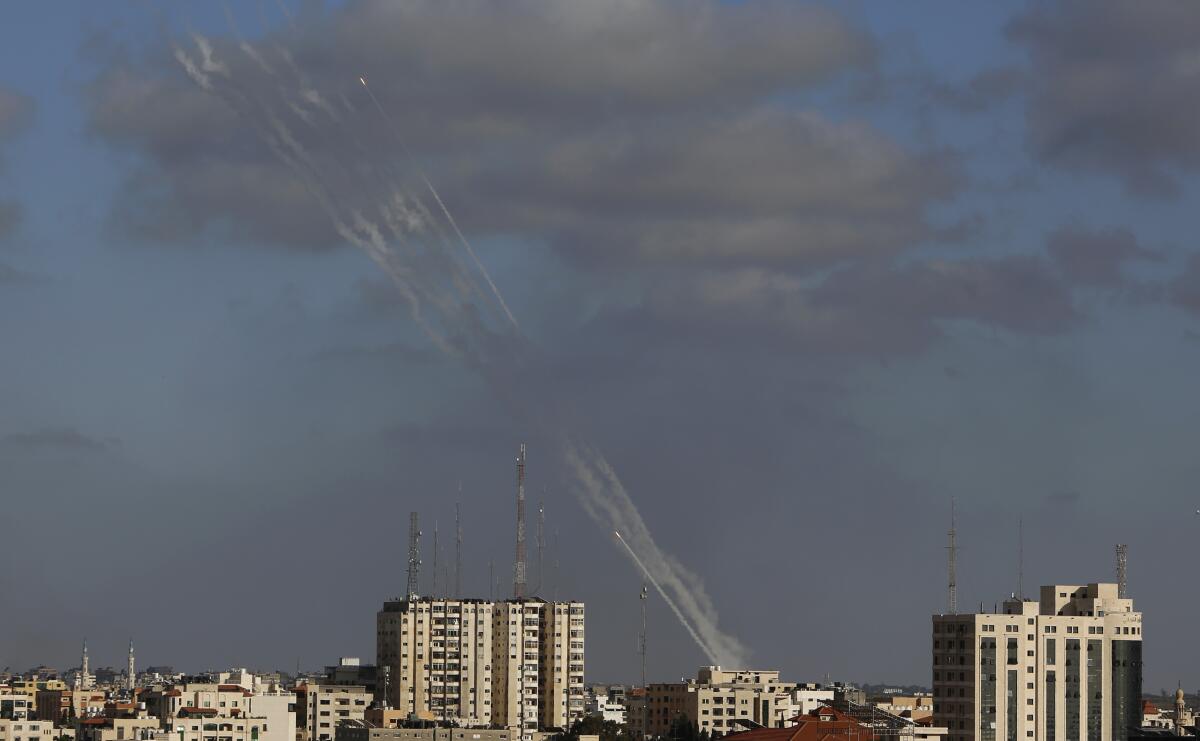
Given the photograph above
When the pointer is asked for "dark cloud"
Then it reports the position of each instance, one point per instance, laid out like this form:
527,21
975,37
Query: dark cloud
1184,290
981,91
868,309
58,438
1095,256
1114,89
644,135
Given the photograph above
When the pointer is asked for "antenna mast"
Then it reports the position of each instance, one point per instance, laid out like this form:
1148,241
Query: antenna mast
458,544
1122,563
414,556
642,648
519,569
952,566
433,591
1021,558
541,544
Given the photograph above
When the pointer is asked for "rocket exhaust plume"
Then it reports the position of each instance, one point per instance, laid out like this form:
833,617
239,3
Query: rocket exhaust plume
670,603
428,258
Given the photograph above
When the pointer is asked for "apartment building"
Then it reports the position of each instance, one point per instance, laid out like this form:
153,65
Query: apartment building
720,701
1067,667
14,706
117,729
24,729
322,707
516,663
204,711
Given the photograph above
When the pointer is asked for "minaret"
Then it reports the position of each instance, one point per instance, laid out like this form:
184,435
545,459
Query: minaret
81,679
130,676
1179,710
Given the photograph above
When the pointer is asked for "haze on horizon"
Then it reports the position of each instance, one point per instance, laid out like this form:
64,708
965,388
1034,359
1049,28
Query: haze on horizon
803,271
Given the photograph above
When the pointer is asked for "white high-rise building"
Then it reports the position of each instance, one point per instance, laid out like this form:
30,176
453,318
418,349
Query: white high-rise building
1065,668
516,663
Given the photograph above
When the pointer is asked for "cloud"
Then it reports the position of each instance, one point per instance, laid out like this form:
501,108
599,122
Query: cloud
10,217
10,276
1113,89
981,91
1184,290
619,131
870,309
16,111
58,438
1095,256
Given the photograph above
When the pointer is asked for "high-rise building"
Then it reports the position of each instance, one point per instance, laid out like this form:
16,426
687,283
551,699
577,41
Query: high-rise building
1067,667
516,663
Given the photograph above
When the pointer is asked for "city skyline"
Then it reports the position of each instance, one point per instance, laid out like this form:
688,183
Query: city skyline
790,275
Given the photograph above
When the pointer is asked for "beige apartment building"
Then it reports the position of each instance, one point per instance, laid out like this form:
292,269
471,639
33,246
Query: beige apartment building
721,701
26,730
517,664
1067,667
322,707
205,711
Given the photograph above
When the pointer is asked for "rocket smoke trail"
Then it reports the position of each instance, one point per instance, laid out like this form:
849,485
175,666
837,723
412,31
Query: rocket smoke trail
442,206
670,603
376,210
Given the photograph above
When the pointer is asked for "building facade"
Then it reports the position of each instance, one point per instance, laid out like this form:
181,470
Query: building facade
1067,667
720,702
26,730
516,664
321,708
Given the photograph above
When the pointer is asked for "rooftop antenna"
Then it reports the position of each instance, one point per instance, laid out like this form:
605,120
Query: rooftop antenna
414,556
519,567
458,544
642,646
433,591
541,544
1122,563
952,566
1021,558
492,580
554,569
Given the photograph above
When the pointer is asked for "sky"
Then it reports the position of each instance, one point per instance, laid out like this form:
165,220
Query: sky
800,273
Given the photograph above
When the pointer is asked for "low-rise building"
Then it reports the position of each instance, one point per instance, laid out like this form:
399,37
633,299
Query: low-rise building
362,732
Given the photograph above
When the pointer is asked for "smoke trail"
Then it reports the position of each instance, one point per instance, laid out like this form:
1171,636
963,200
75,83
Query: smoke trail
606,501
445,211
666,598
395,228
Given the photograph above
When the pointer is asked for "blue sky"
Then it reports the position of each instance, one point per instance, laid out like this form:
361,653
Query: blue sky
802,273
